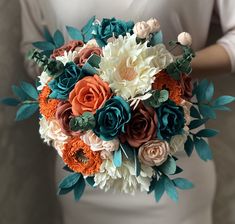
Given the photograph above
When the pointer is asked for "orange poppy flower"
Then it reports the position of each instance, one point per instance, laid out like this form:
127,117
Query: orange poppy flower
80,158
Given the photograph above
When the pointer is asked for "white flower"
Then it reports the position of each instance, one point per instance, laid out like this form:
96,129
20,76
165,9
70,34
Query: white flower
185,39
123,179
52,134
142,30
177,142
130,68
154,25
97,144
44,78
67,57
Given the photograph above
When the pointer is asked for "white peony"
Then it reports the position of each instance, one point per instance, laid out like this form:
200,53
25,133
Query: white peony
177,142
52,134
130,68
67,57
44,78
123,179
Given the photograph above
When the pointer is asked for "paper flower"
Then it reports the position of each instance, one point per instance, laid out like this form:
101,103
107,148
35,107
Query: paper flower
154,25
171,120
111,118
89,94
44,78
80,158
123,179
177,142
186,86
142,30
67,57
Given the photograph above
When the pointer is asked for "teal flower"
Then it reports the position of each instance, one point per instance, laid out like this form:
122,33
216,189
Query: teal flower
62,85
111,27
171,120
111,118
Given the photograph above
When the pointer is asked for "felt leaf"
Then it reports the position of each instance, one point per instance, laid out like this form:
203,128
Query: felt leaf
137,164
203,150
26,111
159,189
91,65
10,102
79,189
47,35
157,38
29,90
178,170
87,30
66,168
152,185
63,191
207,111
183,184
223,100
207,133
209,92
74,33
189,146
117,158
201,90
70,180
128,151
170,189
18,92
197,123
90,181
44,45
222,108
168,167
58,39
194,113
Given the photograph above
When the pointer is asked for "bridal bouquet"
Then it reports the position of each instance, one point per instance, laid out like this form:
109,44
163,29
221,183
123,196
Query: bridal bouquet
118,106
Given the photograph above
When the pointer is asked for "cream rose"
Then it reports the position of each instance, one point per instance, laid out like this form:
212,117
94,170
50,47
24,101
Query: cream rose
177,143
186,106
154,25
142,30
154,153
185,39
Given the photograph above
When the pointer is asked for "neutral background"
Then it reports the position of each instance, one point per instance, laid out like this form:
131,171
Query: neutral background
27,192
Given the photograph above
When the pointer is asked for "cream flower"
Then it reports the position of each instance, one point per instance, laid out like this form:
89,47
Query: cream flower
177,143
52,134
154,25
97,144
67,57
44,78
142,30
130,68
186,106
123,179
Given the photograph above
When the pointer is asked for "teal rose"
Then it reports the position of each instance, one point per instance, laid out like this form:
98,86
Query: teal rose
111,118
62,85
111,27
171,120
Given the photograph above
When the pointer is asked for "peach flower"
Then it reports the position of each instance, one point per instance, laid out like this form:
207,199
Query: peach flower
154,153
89,94
154,25
142,30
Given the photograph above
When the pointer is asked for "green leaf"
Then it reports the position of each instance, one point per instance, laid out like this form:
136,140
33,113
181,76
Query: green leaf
87,30
203,150
63,191
157,38
58,39
18,92
66,168
74,33
207,133
189,146
70,180
159,189
29,90
197,123
137,164
10,102
183,184
44,45
201,90
222,108
207,111
117,158
79,189
90,181
209,92
47,35
194,113
170,189
152,185
178,170
223,100
168,167
128,151
26,111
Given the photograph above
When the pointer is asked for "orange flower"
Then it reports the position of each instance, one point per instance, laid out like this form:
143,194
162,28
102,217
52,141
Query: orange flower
164,81
80,158
47,106
89,94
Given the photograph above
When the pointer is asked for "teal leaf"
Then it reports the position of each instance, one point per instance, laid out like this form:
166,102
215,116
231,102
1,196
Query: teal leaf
222,108
194,113
117,158
137,164
63,191
152,185
10,102
178,170
74,33
223,100
159,189
90,181
66,168
209,92
201,90
189,146
197,123
203,150
58,39
168,167
207,111
44,45
26,111
183,184
128,151
18,92
29,90
79,189
157,38
70,180
207,133
47,35
87,30
170,189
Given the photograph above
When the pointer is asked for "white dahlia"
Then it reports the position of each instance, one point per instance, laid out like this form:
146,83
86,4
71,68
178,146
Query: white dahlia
67,57
52,134
44,78
123,179
129,68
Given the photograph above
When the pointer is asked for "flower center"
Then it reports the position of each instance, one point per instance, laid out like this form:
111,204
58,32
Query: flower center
126,72
81,157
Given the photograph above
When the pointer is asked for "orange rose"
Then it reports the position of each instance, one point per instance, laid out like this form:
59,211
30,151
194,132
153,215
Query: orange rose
89,94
